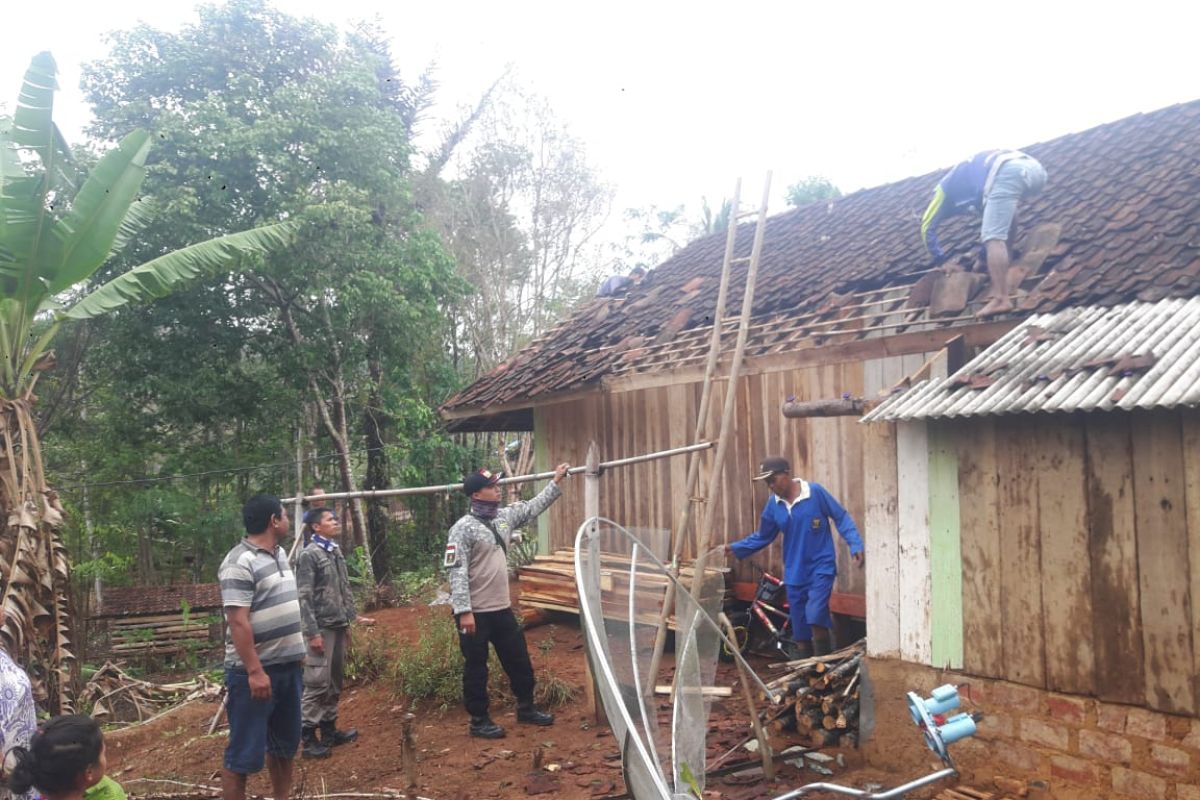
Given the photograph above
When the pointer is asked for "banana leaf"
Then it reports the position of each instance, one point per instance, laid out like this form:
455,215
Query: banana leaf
162,275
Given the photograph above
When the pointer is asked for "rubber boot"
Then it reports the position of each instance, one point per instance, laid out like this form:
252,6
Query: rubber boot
332,737
312,746
794,651
822,646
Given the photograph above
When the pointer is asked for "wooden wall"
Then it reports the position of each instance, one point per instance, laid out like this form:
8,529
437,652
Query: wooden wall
1070,546
828,451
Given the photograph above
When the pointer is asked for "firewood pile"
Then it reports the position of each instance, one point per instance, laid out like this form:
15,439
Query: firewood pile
115,695
820,695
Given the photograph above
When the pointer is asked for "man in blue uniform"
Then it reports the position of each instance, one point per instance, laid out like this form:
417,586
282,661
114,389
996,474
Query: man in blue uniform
801,510
989,183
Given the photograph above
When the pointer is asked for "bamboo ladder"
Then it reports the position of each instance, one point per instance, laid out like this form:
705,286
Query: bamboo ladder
705,531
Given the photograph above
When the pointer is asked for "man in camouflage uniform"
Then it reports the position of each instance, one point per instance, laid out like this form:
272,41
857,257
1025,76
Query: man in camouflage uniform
326,611
477,560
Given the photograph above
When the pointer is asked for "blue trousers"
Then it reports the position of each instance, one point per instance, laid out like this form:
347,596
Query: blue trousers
809,604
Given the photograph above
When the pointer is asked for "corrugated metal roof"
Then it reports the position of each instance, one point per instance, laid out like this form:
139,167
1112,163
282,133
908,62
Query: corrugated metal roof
1136,355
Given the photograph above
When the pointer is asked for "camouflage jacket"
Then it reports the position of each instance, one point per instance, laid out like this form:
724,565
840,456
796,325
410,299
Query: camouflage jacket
323,585
477,565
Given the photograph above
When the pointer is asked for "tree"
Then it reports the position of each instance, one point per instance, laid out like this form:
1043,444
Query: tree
663,232
57,228
810,190
355,326
519,212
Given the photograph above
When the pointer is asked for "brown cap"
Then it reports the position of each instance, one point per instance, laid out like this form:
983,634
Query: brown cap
772,465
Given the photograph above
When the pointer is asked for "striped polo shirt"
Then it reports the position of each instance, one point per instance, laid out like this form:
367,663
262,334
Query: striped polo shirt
263,581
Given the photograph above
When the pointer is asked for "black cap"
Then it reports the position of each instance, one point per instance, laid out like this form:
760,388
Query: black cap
772,465
480,479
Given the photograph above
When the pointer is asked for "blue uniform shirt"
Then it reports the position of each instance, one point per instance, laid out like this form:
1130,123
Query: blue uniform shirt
807,541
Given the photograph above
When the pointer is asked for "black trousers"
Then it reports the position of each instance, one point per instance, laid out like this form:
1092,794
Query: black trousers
501,629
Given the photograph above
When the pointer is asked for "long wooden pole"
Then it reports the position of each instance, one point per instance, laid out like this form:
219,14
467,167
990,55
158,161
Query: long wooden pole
679,533
537,476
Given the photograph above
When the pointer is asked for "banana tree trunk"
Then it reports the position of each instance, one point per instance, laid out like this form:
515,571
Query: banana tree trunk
34,569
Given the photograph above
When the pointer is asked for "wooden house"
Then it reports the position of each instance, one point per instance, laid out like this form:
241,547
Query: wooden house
847,303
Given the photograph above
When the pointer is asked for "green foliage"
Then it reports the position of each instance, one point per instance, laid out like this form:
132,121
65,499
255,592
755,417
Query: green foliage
430,669
53,237
522,553
417,585
218,382
810,190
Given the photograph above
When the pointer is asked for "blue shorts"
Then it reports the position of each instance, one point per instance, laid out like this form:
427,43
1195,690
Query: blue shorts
1017,179
257,728
809,605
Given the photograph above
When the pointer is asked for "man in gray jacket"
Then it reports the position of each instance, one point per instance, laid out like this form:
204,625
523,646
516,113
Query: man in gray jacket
477,561
326,611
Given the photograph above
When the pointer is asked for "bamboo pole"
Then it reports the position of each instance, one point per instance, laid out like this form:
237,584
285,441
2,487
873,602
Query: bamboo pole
764,744
679,533
537,476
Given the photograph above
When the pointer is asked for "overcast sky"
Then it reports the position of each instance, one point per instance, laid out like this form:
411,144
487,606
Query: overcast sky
677,100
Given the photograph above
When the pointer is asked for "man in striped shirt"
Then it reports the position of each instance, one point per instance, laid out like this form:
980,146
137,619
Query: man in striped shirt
263,652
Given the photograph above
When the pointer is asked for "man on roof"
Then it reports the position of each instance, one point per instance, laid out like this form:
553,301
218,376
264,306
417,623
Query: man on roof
989,183
802,510
620,284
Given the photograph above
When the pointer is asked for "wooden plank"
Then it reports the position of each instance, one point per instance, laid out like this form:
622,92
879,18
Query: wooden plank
945,551
1020,557
1190,421
881,541
872,378
1158,485
1112,542
850,450
979,528
541,463
1066,573
912,477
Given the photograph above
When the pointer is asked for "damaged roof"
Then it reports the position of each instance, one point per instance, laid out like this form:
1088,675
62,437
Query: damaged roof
1131,356
1126,195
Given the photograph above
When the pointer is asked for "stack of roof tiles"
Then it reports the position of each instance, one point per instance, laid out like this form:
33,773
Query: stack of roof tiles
1127,195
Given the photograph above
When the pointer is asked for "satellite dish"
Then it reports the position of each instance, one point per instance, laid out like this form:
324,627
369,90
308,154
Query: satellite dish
661,758
665,759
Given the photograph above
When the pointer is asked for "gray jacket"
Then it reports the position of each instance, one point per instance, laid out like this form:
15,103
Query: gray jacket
323,585
478,567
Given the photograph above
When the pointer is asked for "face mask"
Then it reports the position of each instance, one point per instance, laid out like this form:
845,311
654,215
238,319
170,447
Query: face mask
485,509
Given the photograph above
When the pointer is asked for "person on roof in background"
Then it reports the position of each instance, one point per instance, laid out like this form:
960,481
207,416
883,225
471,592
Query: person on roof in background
989,183
802,510
477,560
620,284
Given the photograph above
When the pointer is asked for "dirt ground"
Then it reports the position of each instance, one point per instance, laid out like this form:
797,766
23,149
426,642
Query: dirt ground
583,755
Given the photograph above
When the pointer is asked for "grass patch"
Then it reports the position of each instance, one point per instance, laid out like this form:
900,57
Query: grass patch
552,691
429,669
